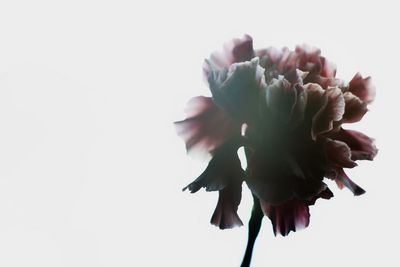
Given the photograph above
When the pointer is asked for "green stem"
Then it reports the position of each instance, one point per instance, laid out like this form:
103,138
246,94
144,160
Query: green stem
254,229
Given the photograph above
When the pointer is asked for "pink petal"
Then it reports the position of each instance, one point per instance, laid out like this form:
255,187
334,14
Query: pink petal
362,147
269,56
343,180
242,49
308,58
237,50
311,53
198,105
338,153
326,82
362,87
208,126
354,108
332,110
328,68
293,215
288,61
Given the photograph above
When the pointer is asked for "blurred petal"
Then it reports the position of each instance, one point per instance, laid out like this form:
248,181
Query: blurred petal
237,50
328,68
242,49
293,215
268,56
288,61
308,58
354,108
208,126
198,105
362,87
326,82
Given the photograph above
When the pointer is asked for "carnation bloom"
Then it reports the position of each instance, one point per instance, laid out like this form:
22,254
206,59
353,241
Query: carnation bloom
286,108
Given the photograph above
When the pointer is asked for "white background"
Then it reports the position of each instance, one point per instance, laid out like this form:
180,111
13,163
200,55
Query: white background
91,170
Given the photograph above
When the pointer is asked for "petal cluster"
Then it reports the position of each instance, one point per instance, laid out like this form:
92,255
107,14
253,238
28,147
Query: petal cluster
287,109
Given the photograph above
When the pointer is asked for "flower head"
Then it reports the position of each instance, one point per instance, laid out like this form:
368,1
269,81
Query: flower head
293,108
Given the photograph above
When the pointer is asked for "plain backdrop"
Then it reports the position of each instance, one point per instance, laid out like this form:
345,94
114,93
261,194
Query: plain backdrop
91,170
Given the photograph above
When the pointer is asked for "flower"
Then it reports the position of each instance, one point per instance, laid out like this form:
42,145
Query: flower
287,109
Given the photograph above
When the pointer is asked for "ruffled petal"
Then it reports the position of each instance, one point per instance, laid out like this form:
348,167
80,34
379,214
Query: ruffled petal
362,147
237,89
289,61
328,68
237,50
269,56
354,108
281,98
292,215
338,153
225,215
362,87
308,59
315,99
299,107
207,126
305,58
326,82
331,110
